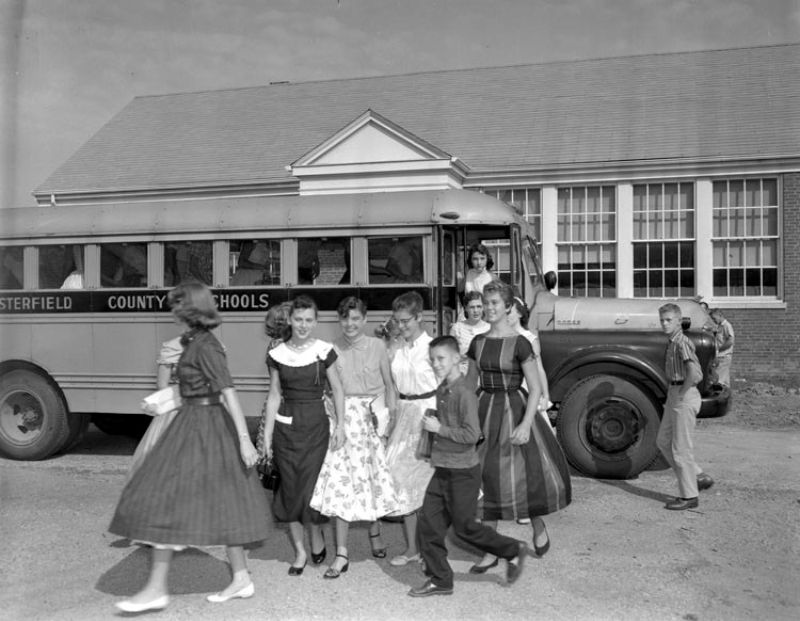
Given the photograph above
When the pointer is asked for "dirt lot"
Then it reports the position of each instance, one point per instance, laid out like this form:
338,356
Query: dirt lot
617,554
763,406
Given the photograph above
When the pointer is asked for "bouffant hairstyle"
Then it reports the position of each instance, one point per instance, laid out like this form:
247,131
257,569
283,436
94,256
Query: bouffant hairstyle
302,302
484,251
193,304
276,322
351,302
506,292
410,302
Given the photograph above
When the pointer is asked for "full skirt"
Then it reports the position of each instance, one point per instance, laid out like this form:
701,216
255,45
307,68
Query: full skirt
519,481
410,473
192,487
354,483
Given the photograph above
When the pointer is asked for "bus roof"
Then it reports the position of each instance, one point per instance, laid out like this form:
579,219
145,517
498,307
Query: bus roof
221,215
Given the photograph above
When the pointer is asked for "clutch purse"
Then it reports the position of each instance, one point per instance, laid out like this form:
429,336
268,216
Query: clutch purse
269,474
162,401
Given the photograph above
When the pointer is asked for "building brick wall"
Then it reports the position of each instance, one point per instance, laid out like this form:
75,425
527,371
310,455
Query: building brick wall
768,341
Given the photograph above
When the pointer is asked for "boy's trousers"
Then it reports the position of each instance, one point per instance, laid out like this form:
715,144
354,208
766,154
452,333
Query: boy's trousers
452,498
674,438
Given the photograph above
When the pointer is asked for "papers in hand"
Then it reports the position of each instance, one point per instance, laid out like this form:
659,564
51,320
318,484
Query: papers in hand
162,401
380,414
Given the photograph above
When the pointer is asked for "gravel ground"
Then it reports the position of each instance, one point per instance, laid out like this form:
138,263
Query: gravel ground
761,406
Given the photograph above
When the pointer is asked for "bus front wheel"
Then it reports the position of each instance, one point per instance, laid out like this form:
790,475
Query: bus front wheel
33,416
607,426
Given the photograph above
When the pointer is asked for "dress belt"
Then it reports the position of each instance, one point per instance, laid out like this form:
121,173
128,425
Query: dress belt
676,383
203,400
424,395
498,390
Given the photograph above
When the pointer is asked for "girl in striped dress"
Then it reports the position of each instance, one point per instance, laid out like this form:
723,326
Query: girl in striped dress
197,485
525,473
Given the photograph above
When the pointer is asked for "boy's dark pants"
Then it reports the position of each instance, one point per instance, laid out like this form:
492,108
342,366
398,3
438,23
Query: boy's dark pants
452,498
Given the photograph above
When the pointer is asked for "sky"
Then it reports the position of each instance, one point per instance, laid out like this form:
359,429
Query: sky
68,66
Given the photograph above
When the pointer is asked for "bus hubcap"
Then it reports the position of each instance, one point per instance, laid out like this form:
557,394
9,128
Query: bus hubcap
612,426
21,417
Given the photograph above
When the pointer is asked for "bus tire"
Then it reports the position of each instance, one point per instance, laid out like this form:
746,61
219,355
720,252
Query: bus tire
78,424
607,426
33,416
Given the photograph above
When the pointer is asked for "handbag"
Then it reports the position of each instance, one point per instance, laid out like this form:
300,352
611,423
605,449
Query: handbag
162,401
425,444
269,474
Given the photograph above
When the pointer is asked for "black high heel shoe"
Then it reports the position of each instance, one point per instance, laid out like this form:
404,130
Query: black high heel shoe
318,557
332,572
541,550
297,571
377,552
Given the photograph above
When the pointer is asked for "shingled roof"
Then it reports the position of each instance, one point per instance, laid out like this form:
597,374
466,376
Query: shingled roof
694,106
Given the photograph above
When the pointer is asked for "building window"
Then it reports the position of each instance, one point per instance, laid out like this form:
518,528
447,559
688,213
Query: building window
587,253
745,238
663,240
528,202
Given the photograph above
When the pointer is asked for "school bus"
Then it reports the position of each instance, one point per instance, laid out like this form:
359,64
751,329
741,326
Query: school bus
83,307
83,288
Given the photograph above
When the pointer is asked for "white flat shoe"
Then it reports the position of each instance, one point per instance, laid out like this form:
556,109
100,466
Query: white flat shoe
243,593
159,603
401,559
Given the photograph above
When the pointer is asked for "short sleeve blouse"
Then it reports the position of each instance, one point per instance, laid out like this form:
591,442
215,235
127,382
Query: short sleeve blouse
203,367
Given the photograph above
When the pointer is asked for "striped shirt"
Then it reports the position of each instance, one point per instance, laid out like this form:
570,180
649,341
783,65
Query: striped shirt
679,350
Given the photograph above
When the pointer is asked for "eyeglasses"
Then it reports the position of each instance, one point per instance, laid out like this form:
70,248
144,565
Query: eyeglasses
406,321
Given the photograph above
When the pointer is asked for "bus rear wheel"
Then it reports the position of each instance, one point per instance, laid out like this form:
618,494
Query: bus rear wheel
33,416
607,427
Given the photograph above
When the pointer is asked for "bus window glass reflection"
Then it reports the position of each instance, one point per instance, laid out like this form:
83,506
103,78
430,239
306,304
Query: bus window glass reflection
323,261
395,260
255,263
123,265
11,267
61,267
185,261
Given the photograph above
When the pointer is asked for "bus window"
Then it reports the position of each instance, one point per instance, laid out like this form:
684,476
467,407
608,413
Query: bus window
61,267
11,267
123,265
184,261
448,259
255,263
323,261
395,259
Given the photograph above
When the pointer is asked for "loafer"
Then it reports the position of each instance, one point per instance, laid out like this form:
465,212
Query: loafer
515,565
482,569
401,560
681,504
159,603
429,588
704,481
243,593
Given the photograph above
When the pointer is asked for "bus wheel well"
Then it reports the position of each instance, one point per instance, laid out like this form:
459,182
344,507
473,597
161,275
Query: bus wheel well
648,384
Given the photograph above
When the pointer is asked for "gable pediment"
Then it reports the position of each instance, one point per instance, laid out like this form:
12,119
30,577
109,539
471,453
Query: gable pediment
370,139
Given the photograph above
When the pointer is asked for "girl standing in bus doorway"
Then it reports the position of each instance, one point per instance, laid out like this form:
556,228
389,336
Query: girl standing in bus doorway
525,473
354,483
297,432
196,487
479,273
416,386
